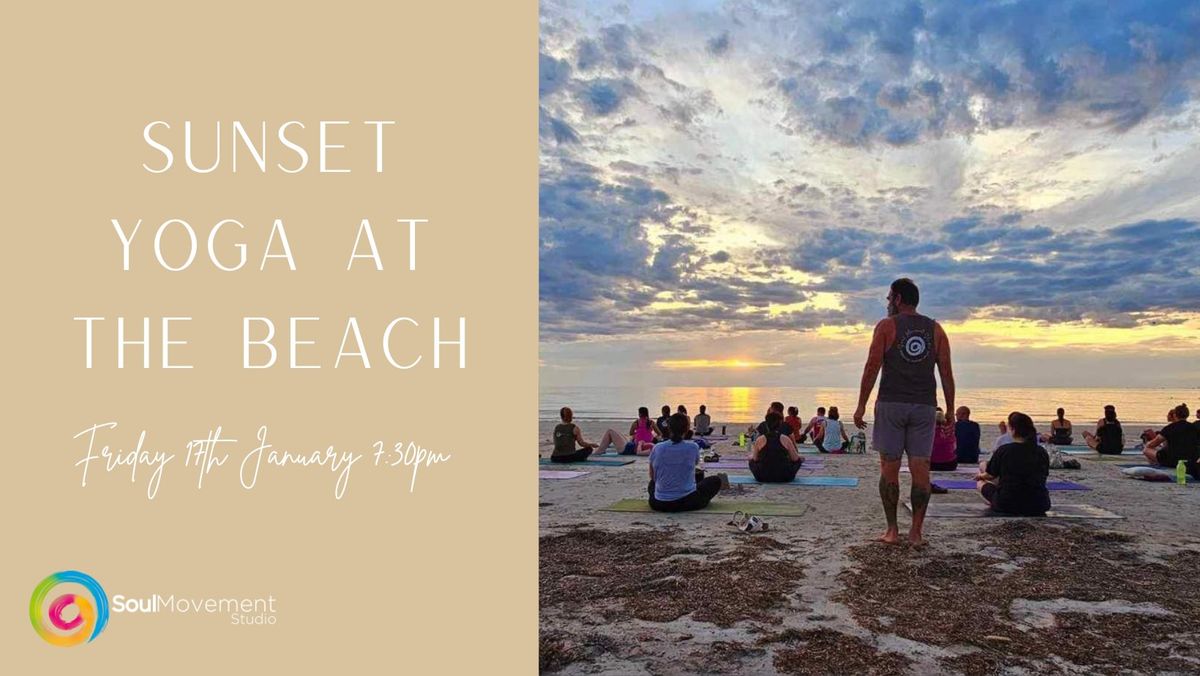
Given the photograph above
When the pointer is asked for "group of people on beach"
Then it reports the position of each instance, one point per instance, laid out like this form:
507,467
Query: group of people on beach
905,350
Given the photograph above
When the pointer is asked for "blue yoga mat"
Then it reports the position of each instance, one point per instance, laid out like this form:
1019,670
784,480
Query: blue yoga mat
963,484
845,481
594,463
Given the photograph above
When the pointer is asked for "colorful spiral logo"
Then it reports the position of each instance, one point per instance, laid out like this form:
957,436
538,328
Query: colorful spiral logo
87,623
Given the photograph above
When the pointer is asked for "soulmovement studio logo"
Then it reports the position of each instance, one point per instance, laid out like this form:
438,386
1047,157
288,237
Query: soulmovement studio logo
85,623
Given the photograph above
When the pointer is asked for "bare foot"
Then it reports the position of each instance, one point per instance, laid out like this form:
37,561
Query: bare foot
890,537
915,540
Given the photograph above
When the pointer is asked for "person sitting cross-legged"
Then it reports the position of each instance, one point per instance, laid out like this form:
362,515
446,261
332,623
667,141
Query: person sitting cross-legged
676,485
1014,479
773,457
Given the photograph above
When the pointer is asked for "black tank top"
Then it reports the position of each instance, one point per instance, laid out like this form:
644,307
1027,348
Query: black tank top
1110,437
773,449
908,363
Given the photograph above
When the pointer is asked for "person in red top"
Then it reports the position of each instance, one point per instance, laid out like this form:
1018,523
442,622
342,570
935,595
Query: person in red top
793,421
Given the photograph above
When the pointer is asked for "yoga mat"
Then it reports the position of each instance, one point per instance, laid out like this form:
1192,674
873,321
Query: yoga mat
972,510
1084,450
845,481
962,484
1169,471
715,507
630,456
960,470
558,474
741,463
594,463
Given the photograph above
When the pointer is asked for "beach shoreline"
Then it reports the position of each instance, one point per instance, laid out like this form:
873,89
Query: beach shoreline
822,612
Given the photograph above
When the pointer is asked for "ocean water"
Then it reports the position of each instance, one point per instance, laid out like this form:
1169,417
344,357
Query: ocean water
747,404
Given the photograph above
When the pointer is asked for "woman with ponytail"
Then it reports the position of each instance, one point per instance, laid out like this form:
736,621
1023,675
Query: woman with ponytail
676,485
1014,479
1060,430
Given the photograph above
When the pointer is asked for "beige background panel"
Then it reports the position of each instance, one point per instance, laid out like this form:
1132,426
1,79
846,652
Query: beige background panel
440,580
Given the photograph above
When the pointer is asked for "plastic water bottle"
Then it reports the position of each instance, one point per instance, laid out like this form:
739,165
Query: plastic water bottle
1181,473
742,439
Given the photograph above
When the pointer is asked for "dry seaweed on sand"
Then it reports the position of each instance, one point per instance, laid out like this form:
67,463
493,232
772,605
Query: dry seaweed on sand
654,576
557,649
1101,605
825,651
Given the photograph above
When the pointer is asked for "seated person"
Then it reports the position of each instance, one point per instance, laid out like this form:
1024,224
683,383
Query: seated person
1004,438
773,457
566,435
1109,438
1177,441
833,434
703,422
663,430
944,458
776,407
676,485
1060,430
793,421
643,433
1014,479
813,430
966,436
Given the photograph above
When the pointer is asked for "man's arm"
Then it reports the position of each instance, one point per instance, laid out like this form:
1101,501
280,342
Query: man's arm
885,333
945,371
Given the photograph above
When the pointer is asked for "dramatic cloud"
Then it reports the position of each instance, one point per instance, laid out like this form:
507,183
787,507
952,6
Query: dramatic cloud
769,167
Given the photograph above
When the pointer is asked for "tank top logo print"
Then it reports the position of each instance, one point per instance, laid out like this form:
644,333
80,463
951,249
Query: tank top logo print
914,347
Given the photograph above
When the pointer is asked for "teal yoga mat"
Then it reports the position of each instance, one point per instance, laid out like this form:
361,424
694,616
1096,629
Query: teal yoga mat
642,505
592,463
840,481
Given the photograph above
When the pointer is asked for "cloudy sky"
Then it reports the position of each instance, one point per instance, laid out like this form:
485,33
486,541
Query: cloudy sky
727,188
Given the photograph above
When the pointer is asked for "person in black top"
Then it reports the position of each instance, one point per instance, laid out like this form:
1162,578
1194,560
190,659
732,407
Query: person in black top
1109,438
1014,480
664,430
1060,429
966,435
1177,441
773,458
784,428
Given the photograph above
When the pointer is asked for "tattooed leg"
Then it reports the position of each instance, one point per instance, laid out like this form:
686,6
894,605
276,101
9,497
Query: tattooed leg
889,493
920,497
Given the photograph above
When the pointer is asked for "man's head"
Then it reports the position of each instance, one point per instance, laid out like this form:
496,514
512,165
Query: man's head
903,295
703,408
666,410
962,413
821,411
1110,413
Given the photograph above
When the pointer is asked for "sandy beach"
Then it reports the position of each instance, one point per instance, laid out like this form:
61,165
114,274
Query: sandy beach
648,593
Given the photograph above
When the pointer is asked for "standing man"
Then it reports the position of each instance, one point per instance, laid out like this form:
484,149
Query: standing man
906,346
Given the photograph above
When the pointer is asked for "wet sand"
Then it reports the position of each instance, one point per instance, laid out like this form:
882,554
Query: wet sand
631,593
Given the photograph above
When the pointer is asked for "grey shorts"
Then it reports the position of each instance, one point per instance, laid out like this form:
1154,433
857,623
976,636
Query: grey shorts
901,427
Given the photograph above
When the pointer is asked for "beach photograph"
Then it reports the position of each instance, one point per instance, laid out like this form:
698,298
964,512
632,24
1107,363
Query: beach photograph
869,337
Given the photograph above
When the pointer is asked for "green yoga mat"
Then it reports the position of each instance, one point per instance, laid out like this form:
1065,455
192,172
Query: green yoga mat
715,507
976,510
593,463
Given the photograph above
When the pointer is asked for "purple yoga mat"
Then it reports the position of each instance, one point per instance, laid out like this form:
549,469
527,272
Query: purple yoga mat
963,484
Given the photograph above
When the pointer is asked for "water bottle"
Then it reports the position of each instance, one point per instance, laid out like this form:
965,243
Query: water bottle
1181,473
742,439
722,430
